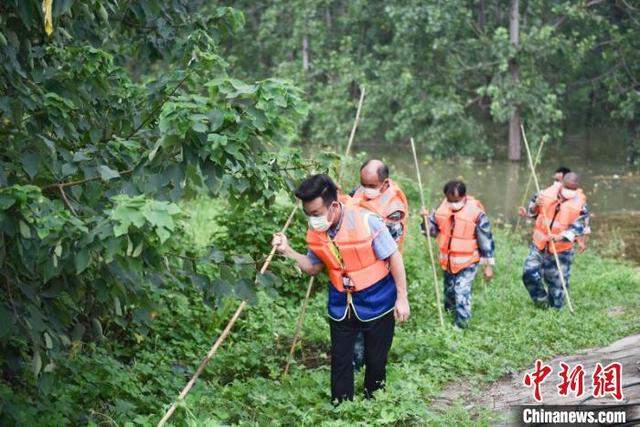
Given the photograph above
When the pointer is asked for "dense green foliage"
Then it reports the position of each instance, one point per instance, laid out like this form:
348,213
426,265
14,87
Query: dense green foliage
140,182
439,70
95,157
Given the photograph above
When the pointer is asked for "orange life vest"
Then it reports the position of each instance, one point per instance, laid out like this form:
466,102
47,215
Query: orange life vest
392,200
353,243
457,235
558,215
343,197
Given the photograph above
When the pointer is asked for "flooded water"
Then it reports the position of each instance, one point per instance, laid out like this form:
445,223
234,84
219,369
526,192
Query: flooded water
611,184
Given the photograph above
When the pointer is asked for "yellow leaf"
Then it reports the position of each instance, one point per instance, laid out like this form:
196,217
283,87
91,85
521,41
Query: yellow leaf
48,19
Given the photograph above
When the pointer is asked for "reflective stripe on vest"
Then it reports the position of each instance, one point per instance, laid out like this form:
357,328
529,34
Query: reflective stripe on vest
353,240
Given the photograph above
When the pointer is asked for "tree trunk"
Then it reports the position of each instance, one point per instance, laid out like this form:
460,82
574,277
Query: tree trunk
327,17
514,150
305,53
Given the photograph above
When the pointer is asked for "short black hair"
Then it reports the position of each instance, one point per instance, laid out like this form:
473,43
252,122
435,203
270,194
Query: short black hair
563,170
315,186
383,171
454,187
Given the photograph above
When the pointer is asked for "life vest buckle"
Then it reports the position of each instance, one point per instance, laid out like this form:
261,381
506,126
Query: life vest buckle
348,284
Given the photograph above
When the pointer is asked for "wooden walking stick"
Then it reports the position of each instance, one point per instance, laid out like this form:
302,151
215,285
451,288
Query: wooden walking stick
529,181
546,220
222,336
273,249
356,122
305,302
204,362
425,218
296,335
524,198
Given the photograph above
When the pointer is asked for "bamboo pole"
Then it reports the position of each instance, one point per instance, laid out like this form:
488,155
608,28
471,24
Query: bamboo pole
529,181
425,218
524,198
305,302
296,335
222,336
546,221
273,249
356,122
204,362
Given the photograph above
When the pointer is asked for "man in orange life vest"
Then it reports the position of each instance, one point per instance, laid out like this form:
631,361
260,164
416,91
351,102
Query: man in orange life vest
367,290
563,206
379,194
463,233
558,176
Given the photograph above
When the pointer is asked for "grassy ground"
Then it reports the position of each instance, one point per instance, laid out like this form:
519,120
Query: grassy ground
132,380
506,333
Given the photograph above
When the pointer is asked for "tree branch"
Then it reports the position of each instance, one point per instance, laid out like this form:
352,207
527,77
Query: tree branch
65,199
159,106
580,6
594,79
80,181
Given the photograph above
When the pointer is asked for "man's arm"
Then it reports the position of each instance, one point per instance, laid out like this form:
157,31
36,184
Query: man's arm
431,221
305,262
402,309
386,248
531,211
486,244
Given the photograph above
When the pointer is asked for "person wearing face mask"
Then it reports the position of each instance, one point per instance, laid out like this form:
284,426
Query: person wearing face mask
565,209
367,289
558,174
463,234
531,209
379,194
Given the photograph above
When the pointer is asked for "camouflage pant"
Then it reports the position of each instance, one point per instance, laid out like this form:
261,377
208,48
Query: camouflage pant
457,293
541,267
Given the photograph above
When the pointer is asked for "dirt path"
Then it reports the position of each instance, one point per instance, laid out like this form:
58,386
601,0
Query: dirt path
510,391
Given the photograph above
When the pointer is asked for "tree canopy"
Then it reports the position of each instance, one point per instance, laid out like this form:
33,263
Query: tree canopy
440,70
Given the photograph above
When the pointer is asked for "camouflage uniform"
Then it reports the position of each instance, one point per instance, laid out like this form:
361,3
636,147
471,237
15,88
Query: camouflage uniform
457,287
540,266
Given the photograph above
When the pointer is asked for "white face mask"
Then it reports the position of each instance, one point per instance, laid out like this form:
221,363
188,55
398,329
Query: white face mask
319,223
371,193
456,206
568,194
